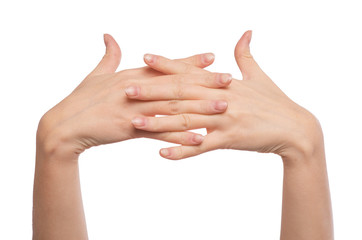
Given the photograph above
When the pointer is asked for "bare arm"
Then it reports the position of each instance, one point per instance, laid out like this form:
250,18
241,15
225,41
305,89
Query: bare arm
307,211
57,204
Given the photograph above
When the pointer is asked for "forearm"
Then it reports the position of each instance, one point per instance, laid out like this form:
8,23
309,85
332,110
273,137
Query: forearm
306,211
57,201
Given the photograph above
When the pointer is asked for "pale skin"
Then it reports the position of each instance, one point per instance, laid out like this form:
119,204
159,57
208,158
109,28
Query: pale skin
252,114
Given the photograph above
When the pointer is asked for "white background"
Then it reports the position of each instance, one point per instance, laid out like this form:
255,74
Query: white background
311,49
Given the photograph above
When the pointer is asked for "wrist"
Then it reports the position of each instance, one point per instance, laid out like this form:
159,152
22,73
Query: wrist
54,142
307,143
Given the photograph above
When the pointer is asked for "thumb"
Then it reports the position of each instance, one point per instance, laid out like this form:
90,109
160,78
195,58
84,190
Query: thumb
243,57
111,58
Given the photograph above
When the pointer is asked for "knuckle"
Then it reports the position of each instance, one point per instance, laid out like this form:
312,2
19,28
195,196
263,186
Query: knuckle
208,106
166,136
179,153
178,92
245,56
185,121
187,68
125,82
212,78
153,123
176,79
224,96
196,60
186,138
193,60
174,107
124,73
119,85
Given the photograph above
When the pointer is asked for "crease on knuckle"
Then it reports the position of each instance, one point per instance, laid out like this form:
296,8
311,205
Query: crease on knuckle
124,72
185,138
178,92
212,79
176,79
174,107
179,153
245,55
196,60
153,124
193,60
188,68
225,97
185,121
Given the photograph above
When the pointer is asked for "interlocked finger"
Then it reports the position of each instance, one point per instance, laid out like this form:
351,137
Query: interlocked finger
184,138
175,123
168,66
175,107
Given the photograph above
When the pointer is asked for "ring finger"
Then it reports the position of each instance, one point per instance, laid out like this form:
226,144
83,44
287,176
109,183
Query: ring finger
175,123
175,107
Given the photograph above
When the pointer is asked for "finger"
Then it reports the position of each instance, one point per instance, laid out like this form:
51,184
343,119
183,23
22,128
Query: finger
175,107
247,65
175,123
167,91
168,66
199,60
184,138
181,152
211,80
111,58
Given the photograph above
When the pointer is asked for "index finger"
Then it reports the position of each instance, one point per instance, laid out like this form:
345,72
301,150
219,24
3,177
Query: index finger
168,66
199,60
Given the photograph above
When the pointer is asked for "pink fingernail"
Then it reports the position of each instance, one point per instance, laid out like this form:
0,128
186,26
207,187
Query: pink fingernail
138,122
220,105
131,91
225,78
198,138
165,152
208,57
148,57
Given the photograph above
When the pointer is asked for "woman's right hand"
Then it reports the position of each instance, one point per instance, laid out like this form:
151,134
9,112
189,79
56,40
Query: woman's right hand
99,112
260,117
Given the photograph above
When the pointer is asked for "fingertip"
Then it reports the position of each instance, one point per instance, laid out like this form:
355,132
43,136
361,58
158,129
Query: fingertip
165,152
105,39
243,44
250,34
220,105
132,91
224,79
112,48
139,122
207,58
149,58
197,139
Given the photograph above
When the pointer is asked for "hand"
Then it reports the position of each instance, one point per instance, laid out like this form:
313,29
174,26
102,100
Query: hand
260,117
98,111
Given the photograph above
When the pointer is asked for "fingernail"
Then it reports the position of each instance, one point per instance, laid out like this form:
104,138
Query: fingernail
148,57
208,57
250,35
104,39
198,138
225,78
220,105
138,122
165,152
131,91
